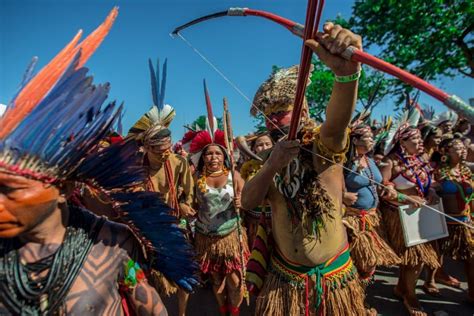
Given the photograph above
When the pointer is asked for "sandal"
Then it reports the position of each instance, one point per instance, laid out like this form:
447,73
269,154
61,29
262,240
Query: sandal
431,290
452,282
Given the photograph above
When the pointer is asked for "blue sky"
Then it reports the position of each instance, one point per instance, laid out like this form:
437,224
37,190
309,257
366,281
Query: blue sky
243,48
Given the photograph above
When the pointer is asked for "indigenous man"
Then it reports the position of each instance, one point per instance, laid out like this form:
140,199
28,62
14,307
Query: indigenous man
55,257
168,173
310,270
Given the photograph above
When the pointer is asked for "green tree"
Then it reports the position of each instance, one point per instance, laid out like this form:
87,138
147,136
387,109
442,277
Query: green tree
373,86
430,38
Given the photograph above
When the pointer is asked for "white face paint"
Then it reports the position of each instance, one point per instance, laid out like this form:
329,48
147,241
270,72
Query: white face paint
3,108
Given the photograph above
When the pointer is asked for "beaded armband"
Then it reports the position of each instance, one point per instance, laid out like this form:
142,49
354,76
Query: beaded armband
313,136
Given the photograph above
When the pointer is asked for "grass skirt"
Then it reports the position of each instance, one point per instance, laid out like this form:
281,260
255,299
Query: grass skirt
368,248
284,294
221,254
164,287
410,256
459,245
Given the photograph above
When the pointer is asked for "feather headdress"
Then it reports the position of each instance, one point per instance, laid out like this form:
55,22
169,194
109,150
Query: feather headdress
399,128
360,123
209,136
383,132
56,118
450,116
160,115
51,132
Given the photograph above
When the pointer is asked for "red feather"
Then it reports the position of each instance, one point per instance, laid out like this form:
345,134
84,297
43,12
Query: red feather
203,139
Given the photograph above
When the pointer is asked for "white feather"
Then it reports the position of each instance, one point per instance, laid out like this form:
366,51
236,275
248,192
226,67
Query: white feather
3,108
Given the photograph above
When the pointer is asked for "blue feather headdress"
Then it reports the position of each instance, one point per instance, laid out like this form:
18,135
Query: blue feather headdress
50,132
159,117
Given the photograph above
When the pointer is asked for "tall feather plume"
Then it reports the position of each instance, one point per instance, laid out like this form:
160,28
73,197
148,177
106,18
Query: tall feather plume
160,113
26,77
210,115
163,85
154,88
120,125
414,115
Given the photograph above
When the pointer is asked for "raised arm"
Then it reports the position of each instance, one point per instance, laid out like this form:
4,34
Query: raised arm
332,41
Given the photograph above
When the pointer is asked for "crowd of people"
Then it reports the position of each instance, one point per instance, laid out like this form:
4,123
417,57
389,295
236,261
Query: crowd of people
301,224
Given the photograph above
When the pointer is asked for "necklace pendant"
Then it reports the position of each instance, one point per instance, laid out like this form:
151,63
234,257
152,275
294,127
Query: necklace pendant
44,302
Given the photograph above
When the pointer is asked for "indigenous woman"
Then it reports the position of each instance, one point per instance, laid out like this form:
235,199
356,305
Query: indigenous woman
261,143
221,243
368,249
405,171
432,136
456,190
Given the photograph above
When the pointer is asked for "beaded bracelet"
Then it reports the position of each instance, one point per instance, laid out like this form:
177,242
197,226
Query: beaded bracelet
349,78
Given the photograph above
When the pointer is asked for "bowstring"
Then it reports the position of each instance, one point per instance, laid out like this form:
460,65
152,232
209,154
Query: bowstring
239,91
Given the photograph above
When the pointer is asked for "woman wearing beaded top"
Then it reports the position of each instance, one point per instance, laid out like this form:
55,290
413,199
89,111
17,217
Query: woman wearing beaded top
456,190
405,171
220,241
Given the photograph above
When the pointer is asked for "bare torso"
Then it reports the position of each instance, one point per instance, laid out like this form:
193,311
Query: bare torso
95,290
289,238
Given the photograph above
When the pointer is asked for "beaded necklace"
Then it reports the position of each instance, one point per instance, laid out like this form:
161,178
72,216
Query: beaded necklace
201,182
24,295
463,176
418,173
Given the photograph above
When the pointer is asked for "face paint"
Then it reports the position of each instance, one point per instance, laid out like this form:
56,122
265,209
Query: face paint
24,204
213,158
281,119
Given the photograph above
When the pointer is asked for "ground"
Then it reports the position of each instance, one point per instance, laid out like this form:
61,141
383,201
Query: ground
379,295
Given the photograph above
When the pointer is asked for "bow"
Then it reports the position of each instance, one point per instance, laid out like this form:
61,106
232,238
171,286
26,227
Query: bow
351,53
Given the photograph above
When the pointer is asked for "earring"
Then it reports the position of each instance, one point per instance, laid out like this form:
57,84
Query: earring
444,158
402,150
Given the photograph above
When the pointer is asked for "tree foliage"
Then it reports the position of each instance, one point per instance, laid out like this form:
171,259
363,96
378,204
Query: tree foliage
430,38
373,86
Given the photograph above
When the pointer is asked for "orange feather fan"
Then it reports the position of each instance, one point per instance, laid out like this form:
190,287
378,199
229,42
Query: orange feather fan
32,94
